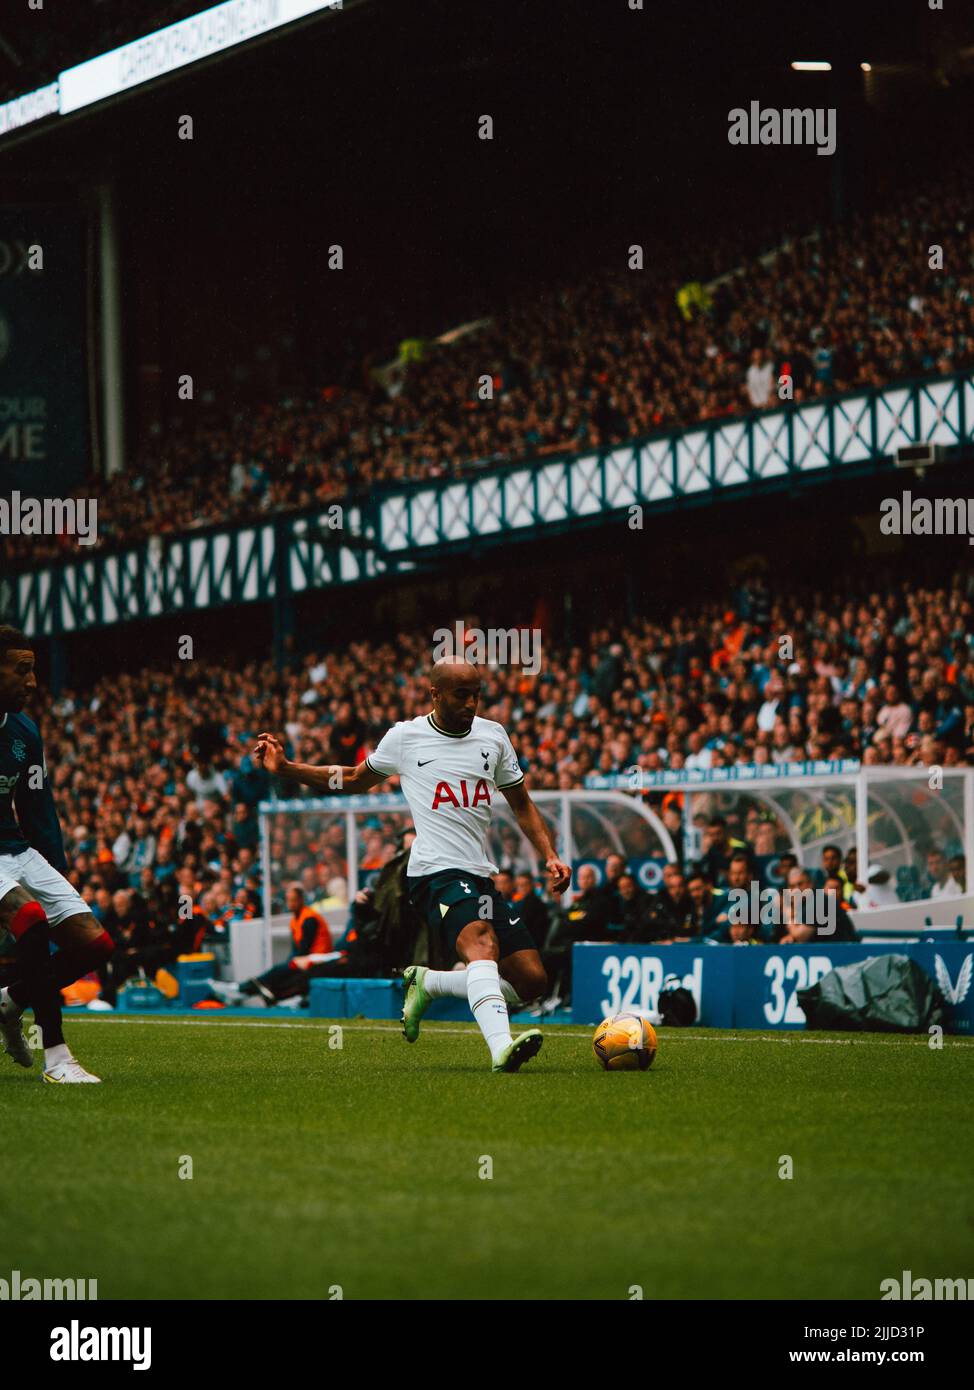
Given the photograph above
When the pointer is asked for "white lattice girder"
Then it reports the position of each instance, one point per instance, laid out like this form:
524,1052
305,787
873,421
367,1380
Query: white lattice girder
693,462
488,506
78,588
940,413
657,458
586,486
894,421
518,497
424,526
852,430
620,478
392,524
810,435
770,445
552,493
455,512
731,455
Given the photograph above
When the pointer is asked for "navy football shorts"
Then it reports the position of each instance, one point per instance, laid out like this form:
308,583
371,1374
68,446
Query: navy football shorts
451,899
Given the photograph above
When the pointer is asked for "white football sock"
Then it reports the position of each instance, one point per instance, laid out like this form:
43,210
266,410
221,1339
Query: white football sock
487,1005
54,1056
453,983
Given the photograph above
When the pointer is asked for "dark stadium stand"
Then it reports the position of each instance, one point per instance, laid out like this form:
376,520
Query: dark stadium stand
601,362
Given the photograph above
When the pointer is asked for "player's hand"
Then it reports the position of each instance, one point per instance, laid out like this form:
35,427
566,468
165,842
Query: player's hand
269,753
559,875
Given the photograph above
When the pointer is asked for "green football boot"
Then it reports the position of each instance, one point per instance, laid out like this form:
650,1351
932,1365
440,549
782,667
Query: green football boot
522,1049
417,1001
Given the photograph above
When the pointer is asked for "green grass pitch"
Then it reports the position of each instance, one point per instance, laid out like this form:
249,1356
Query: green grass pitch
315,1167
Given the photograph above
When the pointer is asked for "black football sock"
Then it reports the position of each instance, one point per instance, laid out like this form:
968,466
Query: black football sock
37,974
70,963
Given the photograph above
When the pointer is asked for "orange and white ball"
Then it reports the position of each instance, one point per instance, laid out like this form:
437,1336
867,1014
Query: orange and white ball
625,1043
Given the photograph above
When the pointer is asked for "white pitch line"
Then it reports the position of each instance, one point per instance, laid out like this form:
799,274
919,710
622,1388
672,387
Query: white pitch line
556,1030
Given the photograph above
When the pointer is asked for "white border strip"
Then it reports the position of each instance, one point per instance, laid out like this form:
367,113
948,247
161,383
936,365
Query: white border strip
557,1030
166,50
30,107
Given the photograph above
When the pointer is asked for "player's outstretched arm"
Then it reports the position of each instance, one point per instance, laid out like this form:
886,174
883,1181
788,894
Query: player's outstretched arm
269,754
531,821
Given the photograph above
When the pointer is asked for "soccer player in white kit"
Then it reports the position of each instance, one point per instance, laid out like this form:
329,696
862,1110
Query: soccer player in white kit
451,764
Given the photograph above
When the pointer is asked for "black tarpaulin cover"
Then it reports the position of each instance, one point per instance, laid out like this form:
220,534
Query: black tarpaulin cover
884,994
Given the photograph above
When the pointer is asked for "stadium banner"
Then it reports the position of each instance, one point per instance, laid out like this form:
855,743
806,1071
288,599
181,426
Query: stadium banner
749,986
637,779
43,391
608,979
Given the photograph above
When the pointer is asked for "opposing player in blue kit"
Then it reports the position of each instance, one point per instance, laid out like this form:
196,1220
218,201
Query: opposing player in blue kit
38,905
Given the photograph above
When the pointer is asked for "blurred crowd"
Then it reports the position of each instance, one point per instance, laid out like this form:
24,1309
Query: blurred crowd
158,792
612,358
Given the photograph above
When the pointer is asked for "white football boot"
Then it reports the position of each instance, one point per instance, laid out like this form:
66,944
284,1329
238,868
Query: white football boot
72,1071
12,1033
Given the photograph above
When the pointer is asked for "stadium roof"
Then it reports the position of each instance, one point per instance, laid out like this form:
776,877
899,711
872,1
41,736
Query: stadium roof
706,36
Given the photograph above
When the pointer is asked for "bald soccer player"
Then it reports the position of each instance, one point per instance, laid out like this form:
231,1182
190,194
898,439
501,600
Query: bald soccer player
451,765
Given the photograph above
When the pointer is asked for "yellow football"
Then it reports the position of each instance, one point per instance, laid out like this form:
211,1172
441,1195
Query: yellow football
625,1043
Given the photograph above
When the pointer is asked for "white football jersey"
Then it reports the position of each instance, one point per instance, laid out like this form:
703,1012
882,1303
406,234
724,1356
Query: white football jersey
450,782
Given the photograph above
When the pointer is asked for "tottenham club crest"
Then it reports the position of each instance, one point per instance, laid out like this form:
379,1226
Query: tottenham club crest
19,749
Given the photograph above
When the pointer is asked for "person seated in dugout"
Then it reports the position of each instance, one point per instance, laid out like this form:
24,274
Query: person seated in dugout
740,877
585,919
504,883
615,867
796,933
311,947
719,848
738,933
740,874
786,862
833,866
637,919
672,907
844,929
588,915
532,910
142,945
704,910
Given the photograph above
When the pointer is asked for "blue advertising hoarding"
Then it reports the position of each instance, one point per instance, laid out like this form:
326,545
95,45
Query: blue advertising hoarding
749,986
43,384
